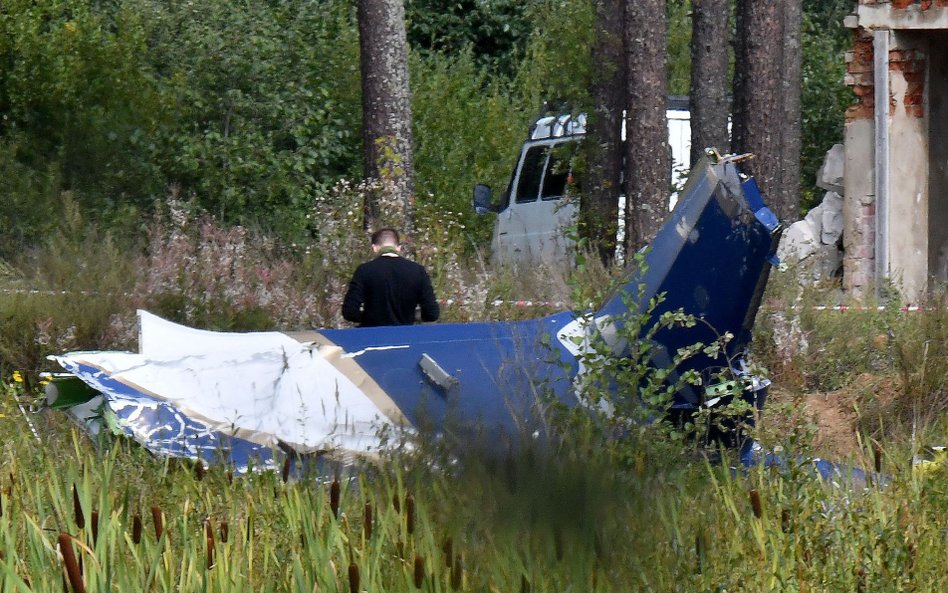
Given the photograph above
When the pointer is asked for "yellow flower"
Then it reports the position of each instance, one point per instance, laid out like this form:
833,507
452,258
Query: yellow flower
17,377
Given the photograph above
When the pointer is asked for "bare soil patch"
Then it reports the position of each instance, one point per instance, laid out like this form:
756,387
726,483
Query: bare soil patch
833,416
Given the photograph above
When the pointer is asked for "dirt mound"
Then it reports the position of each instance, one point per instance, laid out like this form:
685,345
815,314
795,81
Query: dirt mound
833,416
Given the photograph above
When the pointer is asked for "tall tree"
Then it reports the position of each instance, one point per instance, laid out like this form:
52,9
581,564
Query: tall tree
791,144
647,180
599,206
710,42
765,120
386,113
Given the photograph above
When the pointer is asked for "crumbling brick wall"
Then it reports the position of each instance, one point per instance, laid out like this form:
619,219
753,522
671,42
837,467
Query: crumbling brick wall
909,64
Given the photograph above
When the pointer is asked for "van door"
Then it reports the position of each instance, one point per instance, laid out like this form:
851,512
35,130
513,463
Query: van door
533,229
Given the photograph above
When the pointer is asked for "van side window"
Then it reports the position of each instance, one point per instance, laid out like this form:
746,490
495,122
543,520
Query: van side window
528,186
558,171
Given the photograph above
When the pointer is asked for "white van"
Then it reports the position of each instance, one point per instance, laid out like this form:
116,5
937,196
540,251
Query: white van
536,212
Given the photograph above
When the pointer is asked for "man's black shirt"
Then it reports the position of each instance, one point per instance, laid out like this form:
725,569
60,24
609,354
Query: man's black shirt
386,291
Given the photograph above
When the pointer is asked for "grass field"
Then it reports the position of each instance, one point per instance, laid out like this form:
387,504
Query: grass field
648,513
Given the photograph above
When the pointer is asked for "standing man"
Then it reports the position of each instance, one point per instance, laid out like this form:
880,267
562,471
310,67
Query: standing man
388,289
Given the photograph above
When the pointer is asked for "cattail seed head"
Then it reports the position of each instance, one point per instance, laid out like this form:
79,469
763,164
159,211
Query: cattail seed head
457,573
137,528
95,526
448,549
72,566
367,521
353,578
210,551
410,514
224,531
199,470
230,476
334,498
286,470
877,457
208,528
157,520
419,571
699,551
77,509
755,503
396,504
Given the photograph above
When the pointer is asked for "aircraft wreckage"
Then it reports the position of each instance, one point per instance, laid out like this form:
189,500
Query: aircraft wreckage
251,399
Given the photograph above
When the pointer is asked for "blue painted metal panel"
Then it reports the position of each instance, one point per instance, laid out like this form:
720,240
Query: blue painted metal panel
710,259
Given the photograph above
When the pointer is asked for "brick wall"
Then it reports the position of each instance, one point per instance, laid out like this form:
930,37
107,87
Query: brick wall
908,63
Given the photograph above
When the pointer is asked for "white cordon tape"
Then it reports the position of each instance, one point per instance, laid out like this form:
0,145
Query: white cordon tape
518,303
844,308
521,303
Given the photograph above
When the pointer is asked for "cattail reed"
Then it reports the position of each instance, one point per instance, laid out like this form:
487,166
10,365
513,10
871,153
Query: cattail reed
353,578
699,552
77,508
210,551
230,476
367,521
199,470
286,470
137,528
410,514
208,528
755,503
156,519
877,457
419,571
448,549
457,573
334,498
95,527
558,543
396,504
72,566
224,531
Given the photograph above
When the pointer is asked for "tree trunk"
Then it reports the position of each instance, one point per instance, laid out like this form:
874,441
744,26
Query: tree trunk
648,175
710,42
599,205
792,128
386,114
762,114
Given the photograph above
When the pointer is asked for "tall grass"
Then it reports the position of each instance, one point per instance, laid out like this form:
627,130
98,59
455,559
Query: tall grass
584,514
571,521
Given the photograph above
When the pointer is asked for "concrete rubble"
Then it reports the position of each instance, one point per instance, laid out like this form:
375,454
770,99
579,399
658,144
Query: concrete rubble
813,245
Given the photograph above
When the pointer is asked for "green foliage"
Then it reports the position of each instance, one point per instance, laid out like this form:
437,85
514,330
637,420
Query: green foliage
467,130
824,96
556,64
265,101
495,31
679,47
78,101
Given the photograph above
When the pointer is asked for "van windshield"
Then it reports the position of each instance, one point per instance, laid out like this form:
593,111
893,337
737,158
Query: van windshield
558,170
528,185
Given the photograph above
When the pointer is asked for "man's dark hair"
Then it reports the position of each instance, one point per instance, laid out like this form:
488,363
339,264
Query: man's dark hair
386,235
